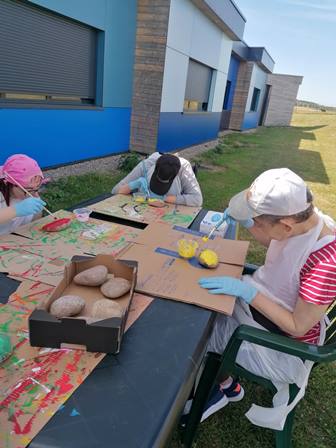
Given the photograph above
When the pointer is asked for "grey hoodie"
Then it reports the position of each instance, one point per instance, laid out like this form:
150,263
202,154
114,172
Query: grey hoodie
185,186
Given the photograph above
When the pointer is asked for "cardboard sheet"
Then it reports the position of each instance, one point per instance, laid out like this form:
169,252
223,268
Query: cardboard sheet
93,237
27,265
159,235
34,382
123,206
164,274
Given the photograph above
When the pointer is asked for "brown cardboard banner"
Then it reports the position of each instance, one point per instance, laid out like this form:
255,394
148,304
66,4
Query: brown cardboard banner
124,206
170,277
94,236
160,235
35,382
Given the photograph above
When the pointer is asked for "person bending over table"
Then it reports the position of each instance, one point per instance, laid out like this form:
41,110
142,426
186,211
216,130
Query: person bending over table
166,177
16,208
288,295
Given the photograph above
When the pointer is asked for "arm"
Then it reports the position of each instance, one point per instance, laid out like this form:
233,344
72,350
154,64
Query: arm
191,194
297,323
6,214
122,187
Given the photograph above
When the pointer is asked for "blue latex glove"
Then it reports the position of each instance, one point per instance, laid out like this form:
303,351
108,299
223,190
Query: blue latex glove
29,206
140,184
247,223
230,286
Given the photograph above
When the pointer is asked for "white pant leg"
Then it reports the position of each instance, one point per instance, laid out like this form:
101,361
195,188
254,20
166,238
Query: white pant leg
265,362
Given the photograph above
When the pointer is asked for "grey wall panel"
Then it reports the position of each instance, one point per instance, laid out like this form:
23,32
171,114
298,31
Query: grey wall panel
41,52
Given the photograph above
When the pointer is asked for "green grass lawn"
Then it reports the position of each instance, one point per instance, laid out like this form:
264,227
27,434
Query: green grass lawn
309,149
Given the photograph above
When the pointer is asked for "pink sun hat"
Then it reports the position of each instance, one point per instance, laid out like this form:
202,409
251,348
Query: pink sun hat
20,168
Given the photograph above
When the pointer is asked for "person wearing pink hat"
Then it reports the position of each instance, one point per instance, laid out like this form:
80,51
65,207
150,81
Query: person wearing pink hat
16,208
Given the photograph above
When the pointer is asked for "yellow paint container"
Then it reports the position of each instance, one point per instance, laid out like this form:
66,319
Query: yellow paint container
187,248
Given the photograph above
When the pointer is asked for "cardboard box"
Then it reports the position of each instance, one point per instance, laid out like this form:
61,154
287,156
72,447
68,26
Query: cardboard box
103,336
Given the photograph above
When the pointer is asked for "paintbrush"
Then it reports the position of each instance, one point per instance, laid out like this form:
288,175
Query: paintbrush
213,230
209,235
29,194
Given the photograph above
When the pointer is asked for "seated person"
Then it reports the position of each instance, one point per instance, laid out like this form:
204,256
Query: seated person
288,295
16,208
165,177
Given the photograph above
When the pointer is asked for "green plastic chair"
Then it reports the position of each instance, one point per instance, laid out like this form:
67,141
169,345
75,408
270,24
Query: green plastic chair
218,366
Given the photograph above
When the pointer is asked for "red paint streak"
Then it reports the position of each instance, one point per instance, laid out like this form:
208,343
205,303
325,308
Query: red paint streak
56,225
64,384
28,426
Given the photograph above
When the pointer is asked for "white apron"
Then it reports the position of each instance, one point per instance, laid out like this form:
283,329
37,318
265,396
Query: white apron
284,260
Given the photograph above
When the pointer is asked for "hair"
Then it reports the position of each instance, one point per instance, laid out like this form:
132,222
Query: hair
5,189
297,217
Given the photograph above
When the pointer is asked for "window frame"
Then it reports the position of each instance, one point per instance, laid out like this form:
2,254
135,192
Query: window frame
255,99
197,106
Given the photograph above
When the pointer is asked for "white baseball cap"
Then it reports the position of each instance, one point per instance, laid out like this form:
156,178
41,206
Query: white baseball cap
275,192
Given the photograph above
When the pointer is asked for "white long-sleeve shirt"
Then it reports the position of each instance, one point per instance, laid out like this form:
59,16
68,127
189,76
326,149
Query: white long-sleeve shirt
13,224
185,186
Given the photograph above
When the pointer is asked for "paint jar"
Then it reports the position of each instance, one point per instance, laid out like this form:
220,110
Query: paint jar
187,248
139,197
82,214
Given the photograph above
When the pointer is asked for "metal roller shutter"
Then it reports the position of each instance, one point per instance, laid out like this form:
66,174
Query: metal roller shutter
42,52
198,82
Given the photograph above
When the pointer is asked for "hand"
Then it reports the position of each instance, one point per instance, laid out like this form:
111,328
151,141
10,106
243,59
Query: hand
171,199
247,223
30,206
140,184
156,196
230,286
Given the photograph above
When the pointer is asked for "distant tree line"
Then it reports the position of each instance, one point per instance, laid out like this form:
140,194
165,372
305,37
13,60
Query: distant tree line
312,105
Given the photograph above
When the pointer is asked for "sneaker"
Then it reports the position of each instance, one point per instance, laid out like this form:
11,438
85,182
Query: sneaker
220,397
234,392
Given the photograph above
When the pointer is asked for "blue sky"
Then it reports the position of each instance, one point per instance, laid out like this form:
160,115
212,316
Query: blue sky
300,35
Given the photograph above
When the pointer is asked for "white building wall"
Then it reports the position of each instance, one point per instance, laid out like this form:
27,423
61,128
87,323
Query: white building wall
193,35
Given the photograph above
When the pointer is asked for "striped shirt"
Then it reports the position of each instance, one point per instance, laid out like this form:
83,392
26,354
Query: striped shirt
318,283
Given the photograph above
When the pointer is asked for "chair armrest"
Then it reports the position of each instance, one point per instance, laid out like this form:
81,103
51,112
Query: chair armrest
285,344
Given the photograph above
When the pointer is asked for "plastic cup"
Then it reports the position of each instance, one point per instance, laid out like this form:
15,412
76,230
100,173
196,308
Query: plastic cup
187,248
82,214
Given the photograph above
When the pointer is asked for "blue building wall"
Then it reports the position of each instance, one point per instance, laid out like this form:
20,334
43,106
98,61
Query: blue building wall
179,130
258,80
232,76
57,136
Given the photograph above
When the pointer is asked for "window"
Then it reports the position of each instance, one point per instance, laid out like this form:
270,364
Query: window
45,58
255,100
198,87
227,95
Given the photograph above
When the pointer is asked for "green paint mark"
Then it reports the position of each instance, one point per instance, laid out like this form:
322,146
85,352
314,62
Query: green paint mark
173,218
5,327
28,402
33,390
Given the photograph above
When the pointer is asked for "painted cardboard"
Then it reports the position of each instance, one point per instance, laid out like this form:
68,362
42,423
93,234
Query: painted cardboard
125,207
33,266
105,335
34,381
164,236
163,274
94,236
